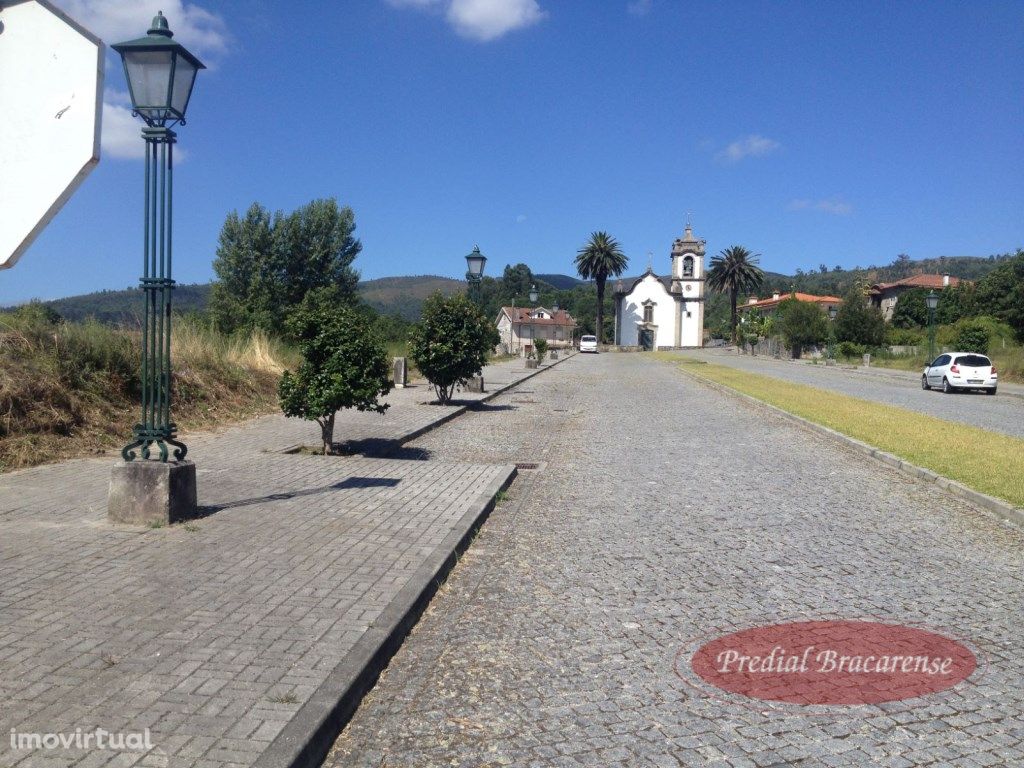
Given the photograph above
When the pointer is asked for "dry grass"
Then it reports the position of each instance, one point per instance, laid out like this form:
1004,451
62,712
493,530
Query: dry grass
985,461
72,389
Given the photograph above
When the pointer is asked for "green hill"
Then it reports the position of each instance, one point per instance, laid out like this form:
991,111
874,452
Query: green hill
389,295
404,296
561,282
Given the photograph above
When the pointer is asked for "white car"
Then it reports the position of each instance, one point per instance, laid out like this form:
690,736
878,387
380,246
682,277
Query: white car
588,344
953,371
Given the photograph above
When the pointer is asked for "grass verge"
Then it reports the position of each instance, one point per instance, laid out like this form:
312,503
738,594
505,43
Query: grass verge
985,461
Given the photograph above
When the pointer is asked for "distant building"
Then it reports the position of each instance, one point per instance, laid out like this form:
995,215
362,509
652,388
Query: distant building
664,312
767,306
885,295
518,328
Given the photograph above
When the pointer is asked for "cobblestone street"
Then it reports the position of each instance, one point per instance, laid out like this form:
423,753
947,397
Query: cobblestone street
663,512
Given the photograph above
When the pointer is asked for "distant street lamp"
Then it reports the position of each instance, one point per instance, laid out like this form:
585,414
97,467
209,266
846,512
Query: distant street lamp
832,312
533,294
160,74
932,300
475,263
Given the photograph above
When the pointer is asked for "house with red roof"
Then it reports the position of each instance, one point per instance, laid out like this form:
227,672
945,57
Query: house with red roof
767,306
885,295
519,326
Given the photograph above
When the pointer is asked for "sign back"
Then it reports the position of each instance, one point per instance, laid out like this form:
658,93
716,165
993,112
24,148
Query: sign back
51,93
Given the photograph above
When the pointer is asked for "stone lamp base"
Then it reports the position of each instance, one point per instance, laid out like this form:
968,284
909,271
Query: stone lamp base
152,493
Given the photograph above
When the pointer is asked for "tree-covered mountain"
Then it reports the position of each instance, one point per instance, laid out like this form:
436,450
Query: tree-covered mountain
404,296
388,295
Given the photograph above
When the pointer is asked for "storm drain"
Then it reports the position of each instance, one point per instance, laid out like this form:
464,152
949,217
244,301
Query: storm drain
527,465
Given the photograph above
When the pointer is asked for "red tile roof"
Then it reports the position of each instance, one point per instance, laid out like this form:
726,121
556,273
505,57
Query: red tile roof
522,315
918,281
765,303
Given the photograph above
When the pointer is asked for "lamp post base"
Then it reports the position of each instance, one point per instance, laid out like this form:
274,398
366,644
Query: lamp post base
152,493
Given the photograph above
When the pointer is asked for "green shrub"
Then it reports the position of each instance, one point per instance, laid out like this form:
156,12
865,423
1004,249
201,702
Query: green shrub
343,366
849,350
973,336
451,342
540,346
904,337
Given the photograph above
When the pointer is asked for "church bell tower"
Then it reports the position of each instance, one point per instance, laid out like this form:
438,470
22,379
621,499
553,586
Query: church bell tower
688,288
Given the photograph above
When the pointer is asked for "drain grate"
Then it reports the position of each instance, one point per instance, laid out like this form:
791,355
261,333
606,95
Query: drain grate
527,465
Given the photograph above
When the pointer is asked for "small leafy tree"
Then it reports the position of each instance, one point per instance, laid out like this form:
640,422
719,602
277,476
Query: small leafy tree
803,324
343,366
857,322
540,346
973,336
451,342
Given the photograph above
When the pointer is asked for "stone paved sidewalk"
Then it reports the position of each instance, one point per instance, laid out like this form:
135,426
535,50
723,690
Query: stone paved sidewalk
213,634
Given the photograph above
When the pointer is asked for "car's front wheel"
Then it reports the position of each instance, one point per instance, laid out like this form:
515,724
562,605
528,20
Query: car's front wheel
924,383
948,388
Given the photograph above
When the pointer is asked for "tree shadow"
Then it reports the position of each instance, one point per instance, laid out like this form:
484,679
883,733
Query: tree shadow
346,484
488,408
381,448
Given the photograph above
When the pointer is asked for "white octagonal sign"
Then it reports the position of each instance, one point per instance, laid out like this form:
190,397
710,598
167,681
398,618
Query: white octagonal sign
51,92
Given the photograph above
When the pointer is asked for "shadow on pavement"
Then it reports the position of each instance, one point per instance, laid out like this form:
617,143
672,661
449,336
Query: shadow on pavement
346,484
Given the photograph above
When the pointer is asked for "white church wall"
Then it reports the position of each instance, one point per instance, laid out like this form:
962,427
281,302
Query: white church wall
693,326
649,288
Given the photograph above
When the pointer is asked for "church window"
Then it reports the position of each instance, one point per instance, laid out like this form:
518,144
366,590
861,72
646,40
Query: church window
688,266
648,313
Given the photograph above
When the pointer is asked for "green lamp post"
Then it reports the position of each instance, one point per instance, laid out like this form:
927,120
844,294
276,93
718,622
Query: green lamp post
160,74
832,312
475,263
932,300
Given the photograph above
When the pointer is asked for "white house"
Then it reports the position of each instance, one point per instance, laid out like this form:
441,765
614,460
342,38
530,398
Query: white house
519,326
664,312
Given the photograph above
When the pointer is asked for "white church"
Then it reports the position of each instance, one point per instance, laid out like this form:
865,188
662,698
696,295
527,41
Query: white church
664,312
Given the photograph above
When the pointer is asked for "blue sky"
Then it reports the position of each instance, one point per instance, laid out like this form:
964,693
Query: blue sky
818,132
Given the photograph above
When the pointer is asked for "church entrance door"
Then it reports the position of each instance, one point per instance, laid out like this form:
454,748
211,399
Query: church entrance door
647,339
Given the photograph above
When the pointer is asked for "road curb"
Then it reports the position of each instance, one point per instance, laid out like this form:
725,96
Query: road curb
308,737
1001,509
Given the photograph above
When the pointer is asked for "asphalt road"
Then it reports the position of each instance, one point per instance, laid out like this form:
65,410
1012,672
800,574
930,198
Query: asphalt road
999,413
664,511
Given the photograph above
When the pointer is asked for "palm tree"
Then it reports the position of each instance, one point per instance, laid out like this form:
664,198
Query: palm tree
596,260
735,271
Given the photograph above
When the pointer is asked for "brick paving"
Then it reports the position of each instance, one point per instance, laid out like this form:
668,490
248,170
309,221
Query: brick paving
666,511
213,634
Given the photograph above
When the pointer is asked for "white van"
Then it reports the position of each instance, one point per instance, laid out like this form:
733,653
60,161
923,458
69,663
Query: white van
588,344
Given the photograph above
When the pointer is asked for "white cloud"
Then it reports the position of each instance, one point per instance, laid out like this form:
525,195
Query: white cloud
122,134
753,145
639,7
481,20
831,205
201,31
121,137
520,218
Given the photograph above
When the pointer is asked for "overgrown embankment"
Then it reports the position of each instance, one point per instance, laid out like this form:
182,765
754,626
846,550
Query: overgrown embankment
73,389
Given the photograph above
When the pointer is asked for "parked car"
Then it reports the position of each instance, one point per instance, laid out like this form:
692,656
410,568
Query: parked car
953,371
588,344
